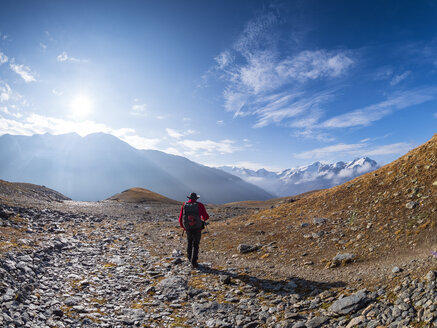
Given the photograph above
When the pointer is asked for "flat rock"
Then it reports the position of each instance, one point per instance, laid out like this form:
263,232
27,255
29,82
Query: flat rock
244,248
349,304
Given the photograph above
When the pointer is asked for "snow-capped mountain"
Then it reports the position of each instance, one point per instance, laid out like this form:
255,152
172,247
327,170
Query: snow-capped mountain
295,181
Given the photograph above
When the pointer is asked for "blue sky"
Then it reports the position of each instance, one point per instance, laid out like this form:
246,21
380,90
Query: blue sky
248,83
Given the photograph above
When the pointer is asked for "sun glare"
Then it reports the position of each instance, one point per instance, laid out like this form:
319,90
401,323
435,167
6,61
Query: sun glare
81,106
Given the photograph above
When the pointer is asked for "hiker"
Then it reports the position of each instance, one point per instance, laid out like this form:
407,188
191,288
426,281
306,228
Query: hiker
192,219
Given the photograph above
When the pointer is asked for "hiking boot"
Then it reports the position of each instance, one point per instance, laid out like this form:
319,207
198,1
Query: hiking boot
194,265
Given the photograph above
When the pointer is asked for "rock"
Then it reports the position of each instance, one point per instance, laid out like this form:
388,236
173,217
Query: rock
318,234
431,276
434,183
243,248
411,205
317,322
355,321
253,324
349,304
341,259
319,221
172,287
225,279
396,269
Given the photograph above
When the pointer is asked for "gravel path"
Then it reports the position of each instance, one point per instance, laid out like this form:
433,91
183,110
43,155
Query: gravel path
80,266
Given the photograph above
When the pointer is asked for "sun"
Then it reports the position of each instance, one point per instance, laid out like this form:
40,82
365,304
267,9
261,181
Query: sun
81,106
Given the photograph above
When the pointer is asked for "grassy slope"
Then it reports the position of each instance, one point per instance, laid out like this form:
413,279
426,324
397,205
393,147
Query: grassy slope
140,195
366,216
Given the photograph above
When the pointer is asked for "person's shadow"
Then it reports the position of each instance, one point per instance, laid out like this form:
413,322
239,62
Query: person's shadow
302,287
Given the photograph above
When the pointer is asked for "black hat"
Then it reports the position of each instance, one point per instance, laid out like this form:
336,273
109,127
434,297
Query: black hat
193,196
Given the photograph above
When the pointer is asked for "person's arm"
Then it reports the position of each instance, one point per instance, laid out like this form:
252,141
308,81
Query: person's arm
180,217
202,212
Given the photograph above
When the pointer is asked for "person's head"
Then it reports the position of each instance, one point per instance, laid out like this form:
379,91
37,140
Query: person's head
193,196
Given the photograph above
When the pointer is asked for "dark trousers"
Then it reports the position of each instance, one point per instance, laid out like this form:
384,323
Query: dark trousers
193,238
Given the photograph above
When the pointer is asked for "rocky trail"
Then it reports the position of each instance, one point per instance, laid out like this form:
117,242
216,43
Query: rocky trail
100,265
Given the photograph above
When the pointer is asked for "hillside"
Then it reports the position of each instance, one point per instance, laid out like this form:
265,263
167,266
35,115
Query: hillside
99,165
386,215
141,195
13,191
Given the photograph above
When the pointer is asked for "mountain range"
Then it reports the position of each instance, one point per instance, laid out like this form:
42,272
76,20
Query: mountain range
318,175
100,165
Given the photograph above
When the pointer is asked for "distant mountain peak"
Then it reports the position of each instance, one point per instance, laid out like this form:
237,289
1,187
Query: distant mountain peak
316,175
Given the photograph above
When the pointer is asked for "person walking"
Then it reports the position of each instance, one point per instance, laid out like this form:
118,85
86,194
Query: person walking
192,219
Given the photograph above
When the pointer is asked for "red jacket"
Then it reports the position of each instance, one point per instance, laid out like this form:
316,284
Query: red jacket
202,212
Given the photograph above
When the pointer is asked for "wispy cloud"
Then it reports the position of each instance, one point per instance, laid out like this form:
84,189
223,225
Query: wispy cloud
63,57
5,92
356,150
3,36
38,124
270,84
365,116
178,134
3,58
311,65
57,92
399,78
23,71
139,110
207,147
43,46
290,106
435,115
396,148
324,151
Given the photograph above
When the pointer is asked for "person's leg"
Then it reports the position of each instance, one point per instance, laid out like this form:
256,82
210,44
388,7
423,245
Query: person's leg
189,245
196,241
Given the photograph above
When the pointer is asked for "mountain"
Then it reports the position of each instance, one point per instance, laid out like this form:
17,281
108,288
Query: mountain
99,165
306,178
141,195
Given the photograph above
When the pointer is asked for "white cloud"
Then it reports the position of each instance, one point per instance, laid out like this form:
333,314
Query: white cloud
38,124
356,150
178,134
57,92
435,115
43,46
220,122
49,36
365,116
23,71
207,147
223,59
257,72
324,151
173,151
65,57
285,107
174,134
139,109
3,58
5,92
396,148
398,78
311,65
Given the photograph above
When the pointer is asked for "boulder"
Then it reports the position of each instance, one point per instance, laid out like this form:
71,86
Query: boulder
350,303
244,248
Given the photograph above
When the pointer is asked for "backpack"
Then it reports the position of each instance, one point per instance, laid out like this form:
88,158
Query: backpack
191,219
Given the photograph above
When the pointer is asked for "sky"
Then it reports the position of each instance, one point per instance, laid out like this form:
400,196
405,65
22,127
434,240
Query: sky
256,84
